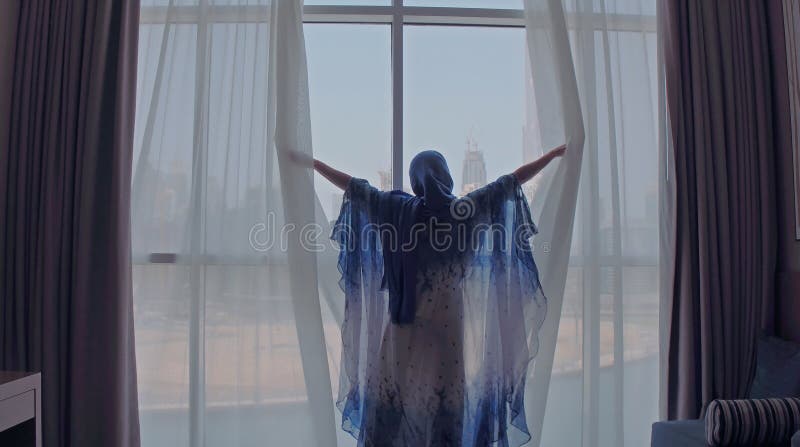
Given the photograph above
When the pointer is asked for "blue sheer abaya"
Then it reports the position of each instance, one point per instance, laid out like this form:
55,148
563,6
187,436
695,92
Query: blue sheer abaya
453,372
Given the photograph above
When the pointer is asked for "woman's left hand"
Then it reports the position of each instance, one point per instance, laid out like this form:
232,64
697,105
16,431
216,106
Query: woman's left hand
301,158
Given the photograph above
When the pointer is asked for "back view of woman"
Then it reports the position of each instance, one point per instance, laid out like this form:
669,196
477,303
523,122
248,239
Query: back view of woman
443,306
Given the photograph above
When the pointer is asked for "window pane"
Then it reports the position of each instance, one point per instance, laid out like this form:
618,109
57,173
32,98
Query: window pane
161,311
465,96
350,87
163,145
494,4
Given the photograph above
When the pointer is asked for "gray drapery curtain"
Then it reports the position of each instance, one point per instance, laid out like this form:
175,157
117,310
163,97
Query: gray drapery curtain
787,306
719,98
65,273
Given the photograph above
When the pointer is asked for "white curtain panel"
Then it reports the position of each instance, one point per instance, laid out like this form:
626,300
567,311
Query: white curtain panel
237,310
560,120
599,366
230,333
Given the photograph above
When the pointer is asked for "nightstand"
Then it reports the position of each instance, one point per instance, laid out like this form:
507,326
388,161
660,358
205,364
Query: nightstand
20,409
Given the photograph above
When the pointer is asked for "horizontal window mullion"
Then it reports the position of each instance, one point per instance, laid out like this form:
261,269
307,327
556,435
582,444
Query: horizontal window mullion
214,14
614,261
245,260
411,15
613,22
463,16
207,259
348,14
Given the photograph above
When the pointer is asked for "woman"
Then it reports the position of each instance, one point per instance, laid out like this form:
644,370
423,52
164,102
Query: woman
443,306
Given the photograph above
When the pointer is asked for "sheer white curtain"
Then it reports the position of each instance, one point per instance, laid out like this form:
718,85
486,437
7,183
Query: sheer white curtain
599,366
237,320
229,328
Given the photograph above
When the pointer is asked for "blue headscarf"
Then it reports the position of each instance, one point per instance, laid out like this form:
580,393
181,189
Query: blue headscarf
433,192
431,180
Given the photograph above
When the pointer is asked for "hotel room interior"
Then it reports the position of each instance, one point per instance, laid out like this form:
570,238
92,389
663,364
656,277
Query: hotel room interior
167,270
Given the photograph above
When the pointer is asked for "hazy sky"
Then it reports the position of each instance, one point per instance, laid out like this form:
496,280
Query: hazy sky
458,81
461,81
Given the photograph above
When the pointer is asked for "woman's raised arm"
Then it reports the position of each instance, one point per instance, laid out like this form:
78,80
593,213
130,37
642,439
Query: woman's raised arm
338,178
528,171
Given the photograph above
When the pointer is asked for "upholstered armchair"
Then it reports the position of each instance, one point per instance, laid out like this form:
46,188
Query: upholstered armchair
771,416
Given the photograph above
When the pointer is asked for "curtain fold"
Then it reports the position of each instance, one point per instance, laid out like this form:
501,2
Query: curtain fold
292,135
560,121
65,202
719,100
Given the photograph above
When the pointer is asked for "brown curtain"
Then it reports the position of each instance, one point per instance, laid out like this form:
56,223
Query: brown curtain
719,98
65,272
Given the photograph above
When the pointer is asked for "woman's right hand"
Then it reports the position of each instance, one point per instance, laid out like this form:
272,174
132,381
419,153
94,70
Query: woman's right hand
528,171
559,151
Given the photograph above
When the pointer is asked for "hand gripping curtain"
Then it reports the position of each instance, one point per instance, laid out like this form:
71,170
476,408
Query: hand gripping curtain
230,342
560,120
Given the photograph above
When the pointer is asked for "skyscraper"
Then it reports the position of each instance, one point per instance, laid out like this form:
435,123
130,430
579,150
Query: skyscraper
474,168
386,180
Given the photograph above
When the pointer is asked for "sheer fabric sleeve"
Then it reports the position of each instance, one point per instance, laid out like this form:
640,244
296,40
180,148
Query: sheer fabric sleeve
507,307
361,267
367,220
358,212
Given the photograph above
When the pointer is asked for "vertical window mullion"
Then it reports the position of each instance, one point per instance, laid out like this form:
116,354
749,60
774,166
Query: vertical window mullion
397,94
196,245
593,269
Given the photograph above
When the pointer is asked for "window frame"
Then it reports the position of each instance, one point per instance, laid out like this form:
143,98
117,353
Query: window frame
397,16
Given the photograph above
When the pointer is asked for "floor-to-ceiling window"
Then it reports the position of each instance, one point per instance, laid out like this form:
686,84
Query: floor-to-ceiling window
387,79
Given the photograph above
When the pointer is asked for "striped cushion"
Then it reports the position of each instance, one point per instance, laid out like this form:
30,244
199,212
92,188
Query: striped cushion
752,421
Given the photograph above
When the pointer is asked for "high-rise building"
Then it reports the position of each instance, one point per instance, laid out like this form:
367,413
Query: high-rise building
473,172
386,180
